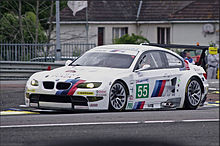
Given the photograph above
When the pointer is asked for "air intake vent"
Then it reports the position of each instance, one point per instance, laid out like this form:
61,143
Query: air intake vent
48,85
63,85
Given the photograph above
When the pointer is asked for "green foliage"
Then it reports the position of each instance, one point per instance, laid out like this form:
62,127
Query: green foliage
9,28
131,39
9,24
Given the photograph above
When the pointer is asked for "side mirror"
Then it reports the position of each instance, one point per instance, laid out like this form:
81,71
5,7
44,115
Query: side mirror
68,62
144,67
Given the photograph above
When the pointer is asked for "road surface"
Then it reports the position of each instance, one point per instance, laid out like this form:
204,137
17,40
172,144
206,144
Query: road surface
151,128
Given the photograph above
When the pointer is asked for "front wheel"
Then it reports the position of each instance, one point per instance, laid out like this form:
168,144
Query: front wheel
193,94
117,97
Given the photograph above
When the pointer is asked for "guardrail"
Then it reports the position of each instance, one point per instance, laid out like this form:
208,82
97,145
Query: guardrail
10,70
40,52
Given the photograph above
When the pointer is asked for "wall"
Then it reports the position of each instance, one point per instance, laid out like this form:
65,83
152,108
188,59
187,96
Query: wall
77,32
180,33
188,34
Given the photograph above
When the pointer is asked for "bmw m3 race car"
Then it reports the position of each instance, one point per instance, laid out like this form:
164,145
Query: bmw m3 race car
120,77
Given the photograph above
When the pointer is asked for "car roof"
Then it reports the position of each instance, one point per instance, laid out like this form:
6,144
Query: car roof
128,47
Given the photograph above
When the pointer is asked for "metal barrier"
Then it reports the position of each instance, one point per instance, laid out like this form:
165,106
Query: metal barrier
10,70
40,52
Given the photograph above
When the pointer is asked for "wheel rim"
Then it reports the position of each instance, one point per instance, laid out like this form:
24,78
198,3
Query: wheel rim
194,93
117,96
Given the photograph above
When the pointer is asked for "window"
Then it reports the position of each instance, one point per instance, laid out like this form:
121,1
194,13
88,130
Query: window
118,32
173,61
163,35
153,59
101,35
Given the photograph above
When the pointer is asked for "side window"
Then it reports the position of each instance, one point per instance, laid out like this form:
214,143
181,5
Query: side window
146,59
158,59
153,59
173,61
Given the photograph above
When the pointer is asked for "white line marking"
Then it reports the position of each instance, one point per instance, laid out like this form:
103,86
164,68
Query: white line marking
202,120
213,89
108,123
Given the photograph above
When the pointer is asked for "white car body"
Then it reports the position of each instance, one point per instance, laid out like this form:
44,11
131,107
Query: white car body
147,89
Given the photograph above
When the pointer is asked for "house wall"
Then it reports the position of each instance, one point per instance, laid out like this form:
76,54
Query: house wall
77,32
193,33
179,34
188,34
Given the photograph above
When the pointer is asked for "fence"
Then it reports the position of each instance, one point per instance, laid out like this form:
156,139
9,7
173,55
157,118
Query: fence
40,52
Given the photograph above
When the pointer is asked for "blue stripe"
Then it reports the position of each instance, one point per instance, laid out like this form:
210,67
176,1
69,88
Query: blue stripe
135,105
65,92
157,88
139,105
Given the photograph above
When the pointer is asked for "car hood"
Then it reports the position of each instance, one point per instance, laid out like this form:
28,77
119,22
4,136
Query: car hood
80,72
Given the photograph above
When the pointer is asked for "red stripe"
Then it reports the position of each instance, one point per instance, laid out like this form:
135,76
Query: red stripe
74,88
162,88
142,104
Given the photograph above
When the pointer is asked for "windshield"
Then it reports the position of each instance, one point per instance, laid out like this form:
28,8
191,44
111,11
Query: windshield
111,60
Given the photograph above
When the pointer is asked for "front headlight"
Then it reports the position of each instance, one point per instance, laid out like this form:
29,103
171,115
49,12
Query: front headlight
89,85
34,82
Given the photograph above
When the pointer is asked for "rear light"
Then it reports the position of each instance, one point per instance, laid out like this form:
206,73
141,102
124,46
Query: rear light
205,75
187,65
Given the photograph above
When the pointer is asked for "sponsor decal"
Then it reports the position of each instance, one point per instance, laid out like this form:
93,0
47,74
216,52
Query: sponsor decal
130,97
130,105
131,82
139,105
142,90
93,105
158,88
85,93
143,80
150,105
117,51
131,89
72,89
72,71
101,93
30,90
164,88
139,74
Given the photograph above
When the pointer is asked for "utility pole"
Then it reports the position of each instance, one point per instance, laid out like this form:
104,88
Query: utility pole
87,27
58,49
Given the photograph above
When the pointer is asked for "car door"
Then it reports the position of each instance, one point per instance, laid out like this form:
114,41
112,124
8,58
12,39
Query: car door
175,67
150,82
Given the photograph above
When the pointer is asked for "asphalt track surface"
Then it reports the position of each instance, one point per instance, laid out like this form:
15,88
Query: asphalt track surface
151,128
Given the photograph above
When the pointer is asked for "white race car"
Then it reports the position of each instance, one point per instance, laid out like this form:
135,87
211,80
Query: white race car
120,77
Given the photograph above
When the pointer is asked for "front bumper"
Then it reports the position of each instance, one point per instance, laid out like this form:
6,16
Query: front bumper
48,101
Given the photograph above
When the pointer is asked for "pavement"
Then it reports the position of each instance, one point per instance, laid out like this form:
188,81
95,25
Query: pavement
150,127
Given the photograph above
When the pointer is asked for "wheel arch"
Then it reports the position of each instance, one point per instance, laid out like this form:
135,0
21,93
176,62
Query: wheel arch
199,79
126,86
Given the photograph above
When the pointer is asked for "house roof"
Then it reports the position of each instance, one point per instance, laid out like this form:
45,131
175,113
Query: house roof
150,11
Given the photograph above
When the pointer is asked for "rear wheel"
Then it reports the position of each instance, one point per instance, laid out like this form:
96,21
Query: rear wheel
117,97
193,94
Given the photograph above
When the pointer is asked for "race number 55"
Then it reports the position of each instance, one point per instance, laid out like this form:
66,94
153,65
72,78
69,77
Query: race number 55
142,90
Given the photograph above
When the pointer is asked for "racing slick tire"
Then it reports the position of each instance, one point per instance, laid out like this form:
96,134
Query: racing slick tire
118,96
193,94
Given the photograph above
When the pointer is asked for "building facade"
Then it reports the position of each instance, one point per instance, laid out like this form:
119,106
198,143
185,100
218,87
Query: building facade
164,22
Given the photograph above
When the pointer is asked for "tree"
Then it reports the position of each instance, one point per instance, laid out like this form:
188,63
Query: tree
44,14
131,39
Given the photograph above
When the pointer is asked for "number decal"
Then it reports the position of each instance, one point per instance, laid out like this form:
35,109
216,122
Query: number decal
142,90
